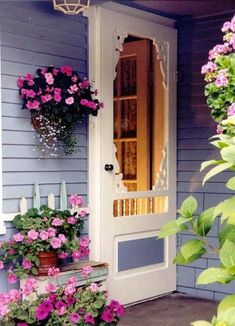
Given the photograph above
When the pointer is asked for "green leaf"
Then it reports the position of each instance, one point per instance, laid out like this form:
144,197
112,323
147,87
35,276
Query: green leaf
190,248
171,228
228,154
205,222
217,170
201,323
231,183
227,210
227,254
214,274
182,220
188,207
227,316
228,232
179,258
226,303
208,163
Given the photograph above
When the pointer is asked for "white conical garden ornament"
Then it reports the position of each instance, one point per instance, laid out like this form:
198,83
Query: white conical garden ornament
71,7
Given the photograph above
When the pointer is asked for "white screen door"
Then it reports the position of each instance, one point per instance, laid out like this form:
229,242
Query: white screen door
137,154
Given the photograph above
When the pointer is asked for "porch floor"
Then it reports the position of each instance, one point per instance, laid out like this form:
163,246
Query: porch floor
170,310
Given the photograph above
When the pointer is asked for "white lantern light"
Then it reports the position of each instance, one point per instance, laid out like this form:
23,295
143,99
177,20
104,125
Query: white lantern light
71,7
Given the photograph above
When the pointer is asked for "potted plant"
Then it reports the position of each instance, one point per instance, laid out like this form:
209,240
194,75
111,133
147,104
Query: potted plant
43,236
58,100
69,305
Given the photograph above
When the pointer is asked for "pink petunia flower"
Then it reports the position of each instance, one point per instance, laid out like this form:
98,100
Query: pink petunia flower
57,97
56,243
30,93
46,98
51,232
20,81
49,78
66,70
76,200
76,254
69,100
57,221
75,317
93,287
43,235
53,272
89,319
26,264
12,278
108,316
50,288
33,235
86,271
84,241
32,105
71,220
18,237
62,238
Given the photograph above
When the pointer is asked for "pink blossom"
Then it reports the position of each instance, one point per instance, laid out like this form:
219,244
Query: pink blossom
84,241
84,102
43,235
57,221
93,287
18,237
232,41
86,271
75,317
66,70
22,324
11,251
209,67
57,97
4,310
233,24
56,243
20,81
14,295
72,280
42,312
33,235
76,200
76,254
26,264
231,109
62,238
218,50
69,289
30,82
1,264
72,89
84,251
51,232
29,286
29,77
221,79
53,271
50,287
60,304
85,83
63,255
30,93
46,98
89,319
70,300
71,220
23,92
43,71
83,212
55,71
226,27
108,316
32,105
69,100
12,278
74,79
92,105
49,78
96,92
57,90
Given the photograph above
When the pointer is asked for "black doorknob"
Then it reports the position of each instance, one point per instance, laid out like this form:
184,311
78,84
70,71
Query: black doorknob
108,167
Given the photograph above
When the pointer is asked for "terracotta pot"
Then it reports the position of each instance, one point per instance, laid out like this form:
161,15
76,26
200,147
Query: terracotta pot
46,260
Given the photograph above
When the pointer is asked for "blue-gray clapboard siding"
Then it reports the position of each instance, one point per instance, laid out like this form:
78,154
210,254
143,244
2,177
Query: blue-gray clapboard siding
196,38
34,35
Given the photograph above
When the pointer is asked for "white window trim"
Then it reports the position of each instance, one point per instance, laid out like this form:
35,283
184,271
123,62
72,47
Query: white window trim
94,155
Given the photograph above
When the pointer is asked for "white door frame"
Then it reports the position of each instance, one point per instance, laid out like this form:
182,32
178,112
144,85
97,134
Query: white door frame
95,131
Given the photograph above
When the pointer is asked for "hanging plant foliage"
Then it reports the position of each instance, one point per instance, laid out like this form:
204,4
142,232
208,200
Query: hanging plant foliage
59,100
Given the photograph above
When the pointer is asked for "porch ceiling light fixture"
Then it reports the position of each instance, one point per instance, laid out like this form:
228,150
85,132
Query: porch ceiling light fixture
71,7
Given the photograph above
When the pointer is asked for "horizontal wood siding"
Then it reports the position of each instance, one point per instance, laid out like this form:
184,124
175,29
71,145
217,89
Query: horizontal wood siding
34,35
195,126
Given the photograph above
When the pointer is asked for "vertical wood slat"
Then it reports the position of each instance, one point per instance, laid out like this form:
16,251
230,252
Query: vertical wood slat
63,196
23,205
36,196
51,200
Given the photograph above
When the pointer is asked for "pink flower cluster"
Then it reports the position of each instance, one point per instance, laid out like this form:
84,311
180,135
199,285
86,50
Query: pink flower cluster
114,308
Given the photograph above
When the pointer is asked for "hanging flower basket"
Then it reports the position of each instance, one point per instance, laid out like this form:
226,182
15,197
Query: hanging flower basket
59,100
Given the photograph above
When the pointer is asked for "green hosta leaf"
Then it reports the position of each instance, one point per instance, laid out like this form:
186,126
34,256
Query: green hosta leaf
179,258
171,228
226,303
214,274
228,154
201,323
205,222
231,183
227,233
227,210
211,162
188,207
217,170
191,248
182,220
227,254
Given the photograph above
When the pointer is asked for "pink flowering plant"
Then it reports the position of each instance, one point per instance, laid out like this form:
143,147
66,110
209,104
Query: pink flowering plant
219,74
69,305
44,230
59,100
